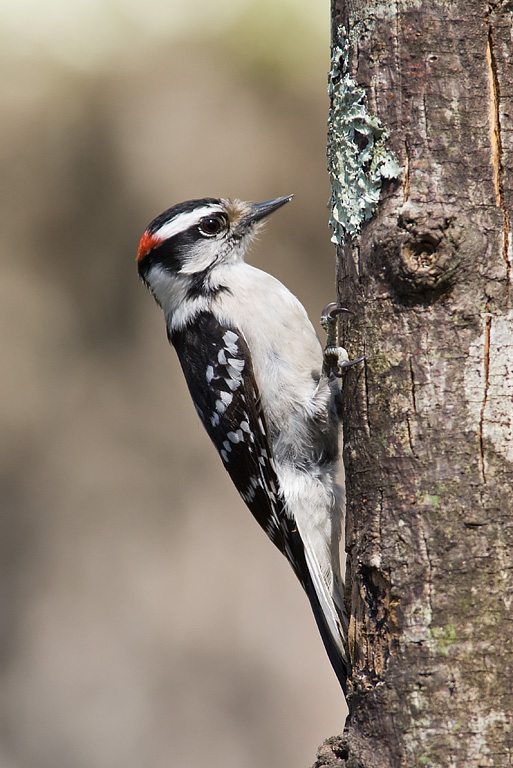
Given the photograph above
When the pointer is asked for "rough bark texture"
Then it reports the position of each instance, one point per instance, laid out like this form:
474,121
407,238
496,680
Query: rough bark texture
428,423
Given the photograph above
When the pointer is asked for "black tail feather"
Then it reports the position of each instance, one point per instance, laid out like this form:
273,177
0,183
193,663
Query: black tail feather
338,661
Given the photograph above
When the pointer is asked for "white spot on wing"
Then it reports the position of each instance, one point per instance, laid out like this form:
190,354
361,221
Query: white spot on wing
249,495
232,384
230,339
226,397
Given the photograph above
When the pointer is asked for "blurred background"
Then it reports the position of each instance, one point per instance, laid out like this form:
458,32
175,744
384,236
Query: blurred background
145,618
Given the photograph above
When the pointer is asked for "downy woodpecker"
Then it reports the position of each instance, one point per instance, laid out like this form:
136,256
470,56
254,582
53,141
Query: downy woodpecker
265,394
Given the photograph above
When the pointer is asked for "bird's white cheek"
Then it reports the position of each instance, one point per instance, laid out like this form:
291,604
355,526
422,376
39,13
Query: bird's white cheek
167,289
200,257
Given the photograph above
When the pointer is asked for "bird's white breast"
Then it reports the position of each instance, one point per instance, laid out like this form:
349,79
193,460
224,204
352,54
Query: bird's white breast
285,350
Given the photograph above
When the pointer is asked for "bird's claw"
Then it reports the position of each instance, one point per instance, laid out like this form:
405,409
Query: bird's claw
336,359
347,364
333,309
329,321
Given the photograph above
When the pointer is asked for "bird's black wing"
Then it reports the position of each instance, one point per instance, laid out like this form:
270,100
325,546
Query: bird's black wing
218,369
219,372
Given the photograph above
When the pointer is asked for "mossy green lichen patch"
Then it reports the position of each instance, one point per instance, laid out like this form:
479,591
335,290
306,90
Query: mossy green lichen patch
444,638
358,160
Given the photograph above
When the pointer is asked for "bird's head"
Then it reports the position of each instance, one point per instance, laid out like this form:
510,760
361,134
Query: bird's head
192,238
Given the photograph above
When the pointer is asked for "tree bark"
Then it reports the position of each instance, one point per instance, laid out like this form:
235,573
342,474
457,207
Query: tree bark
428,419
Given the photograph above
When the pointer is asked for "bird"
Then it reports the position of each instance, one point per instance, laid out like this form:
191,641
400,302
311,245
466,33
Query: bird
267,394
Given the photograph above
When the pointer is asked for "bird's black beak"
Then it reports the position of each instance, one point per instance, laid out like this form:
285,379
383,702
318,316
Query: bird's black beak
261,210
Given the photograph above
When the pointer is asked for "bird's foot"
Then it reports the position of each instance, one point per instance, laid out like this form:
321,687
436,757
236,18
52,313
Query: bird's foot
336,359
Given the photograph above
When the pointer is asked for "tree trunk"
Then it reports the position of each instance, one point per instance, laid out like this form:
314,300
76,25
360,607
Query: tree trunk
428,422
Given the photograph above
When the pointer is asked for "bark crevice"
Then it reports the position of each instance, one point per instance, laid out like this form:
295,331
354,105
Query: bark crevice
497,148
486,387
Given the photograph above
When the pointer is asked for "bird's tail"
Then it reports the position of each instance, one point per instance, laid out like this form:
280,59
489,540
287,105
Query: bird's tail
332,623
328,612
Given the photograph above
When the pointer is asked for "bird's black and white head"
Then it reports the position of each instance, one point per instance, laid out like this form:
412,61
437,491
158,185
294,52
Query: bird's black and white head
184,252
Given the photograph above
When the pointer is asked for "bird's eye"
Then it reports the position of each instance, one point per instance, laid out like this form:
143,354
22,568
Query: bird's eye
211,225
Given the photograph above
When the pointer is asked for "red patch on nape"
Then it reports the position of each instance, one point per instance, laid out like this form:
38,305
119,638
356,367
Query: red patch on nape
148,241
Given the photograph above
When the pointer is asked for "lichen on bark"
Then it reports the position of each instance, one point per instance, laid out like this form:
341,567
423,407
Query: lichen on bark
358,159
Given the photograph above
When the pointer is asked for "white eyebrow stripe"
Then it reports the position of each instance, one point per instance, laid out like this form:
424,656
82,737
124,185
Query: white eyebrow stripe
184,221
